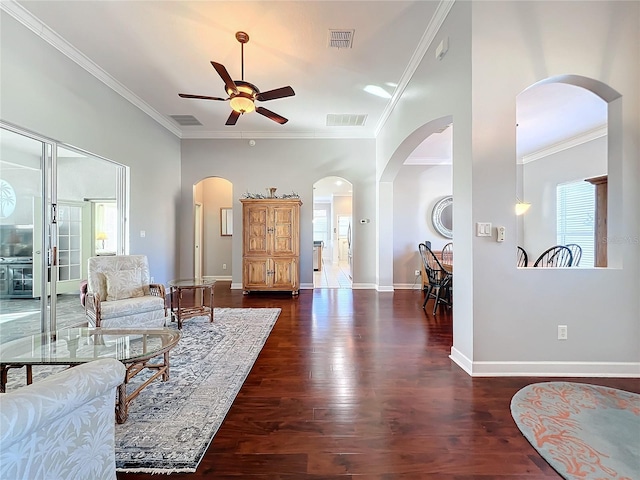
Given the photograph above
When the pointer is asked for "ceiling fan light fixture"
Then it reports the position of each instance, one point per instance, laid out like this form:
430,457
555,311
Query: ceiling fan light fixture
243,101
242,104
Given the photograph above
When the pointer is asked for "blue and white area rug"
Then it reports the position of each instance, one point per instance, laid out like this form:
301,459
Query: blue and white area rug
171,423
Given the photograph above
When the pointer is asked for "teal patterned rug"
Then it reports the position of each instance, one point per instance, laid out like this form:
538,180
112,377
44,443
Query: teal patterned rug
583,431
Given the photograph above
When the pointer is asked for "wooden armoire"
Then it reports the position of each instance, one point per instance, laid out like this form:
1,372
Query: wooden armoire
271,244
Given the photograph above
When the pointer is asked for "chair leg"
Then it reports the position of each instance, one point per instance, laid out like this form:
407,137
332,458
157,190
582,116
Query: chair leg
426,298
438,300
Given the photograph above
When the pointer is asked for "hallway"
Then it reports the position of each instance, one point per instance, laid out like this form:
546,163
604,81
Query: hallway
333,275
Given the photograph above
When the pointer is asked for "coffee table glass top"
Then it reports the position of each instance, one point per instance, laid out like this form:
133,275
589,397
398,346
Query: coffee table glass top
191,282
79,345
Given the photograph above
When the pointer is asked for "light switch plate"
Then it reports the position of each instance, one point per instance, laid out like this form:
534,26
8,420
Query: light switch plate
483,229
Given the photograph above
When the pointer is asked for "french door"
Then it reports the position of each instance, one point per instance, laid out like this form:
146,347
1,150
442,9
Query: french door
48,228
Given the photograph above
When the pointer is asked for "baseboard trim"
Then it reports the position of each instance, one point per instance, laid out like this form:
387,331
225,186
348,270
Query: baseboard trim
364,286
407,286
221,278
306,286
546,369
461,360
236,286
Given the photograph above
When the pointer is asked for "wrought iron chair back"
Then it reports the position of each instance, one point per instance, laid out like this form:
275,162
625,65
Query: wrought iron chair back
556,256
576,253
447,254
523,259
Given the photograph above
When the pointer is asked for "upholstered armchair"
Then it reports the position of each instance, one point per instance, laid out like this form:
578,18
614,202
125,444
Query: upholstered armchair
119,294
62,427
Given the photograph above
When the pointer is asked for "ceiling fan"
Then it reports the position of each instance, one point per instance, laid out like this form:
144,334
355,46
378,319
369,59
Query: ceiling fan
242,95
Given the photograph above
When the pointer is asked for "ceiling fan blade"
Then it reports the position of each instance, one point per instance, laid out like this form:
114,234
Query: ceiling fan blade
277,93
271,115
187,95
226,78
233,118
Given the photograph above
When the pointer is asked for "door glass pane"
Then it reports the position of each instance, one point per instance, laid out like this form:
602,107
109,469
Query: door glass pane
21,227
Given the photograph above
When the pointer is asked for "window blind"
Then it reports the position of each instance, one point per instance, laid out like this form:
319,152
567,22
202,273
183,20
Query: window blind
576,203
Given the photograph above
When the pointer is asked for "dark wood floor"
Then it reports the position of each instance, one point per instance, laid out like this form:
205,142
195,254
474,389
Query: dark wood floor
358,384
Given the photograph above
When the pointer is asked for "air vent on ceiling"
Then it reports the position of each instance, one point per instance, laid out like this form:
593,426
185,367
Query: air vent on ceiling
345,120
186,120
341,38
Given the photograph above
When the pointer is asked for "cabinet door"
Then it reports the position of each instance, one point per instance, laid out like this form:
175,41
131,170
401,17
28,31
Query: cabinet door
285,230
285,274
256,218
257,273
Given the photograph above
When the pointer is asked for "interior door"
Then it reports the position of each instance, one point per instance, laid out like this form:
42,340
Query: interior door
74,227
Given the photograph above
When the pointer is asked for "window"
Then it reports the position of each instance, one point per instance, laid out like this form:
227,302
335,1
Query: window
576,203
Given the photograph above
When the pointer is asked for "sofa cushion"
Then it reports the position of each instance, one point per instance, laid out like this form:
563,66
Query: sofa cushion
123,284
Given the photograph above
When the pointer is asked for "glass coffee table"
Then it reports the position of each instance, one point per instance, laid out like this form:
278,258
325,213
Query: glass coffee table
197,289
73,346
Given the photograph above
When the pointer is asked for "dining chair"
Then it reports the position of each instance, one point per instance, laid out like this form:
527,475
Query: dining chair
576,253
523,259
446,255
556,256
439,279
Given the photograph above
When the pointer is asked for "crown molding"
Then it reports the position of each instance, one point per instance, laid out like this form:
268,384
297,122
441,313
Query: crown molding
272,135
34,24
425,42
598,132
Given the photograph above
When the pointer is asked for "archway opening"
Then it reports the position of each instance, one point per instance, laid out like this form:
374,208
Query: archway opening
333,252
213,228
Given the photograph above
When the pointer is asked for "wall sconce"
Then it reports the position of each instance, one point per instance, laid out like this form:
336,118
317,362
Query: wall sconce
521,207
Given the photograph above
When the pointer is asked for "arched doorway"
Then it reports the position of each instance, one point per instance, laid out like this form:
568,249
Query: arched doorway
332,233
212,243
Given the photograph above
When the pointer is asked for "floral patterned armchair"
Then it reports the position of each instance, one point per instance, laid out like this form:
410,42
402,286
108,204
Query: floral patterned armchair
63,426
119,294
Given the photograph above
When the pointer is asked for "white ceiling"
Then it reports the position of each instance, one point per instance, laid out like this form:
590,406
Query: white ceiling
152,50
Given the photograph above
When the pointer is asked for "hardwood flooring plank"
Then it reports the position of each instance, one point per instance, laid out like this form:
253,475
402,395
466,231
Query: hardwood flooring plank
359,385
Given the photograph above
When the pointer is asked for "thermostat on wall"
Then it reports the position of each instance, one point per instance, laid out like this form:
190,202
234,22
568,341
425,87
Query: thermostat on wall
364,220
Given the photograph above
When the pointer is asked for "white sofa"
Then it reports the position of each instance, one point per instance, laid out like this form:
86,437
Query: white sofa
62,427
119,293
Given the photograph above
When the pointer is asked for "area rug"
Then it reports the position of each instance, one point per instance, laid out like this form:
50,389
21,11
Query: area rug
583,431
172,423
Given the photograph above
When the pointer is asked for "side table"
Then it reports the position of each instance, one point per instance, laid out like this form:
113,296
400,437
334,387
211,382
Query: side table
198,287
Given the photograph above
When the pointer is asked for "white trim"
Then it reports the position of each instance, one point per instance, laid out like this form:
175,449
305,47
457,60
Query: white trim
566,144
546,369
236,286
408,286
221,278
379,288
425,42
306,286
25,17
461,360
198,135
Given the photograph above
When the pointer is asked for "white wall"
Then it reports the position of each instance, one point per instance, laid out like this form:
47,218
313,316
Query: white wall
291,165
216,249
416,190
45,92
438,93
505,320
540,179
